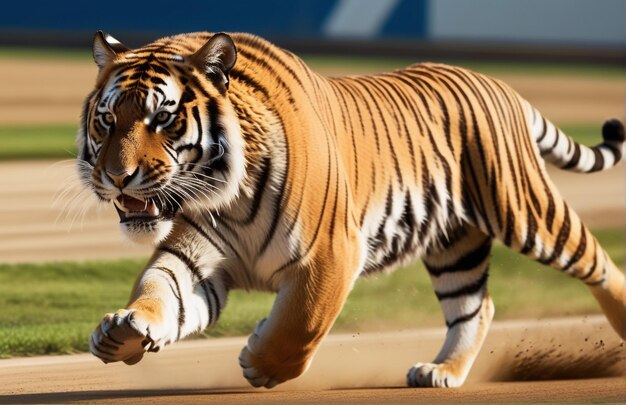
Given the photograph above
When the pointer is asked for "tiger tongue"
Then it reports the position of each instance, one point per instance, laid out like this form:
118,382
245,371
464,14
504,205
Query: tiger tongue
132,204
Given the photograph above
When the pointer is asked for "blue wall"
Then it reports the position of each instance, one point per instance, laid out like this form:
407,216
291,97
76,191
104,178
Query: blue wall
583,23
270,18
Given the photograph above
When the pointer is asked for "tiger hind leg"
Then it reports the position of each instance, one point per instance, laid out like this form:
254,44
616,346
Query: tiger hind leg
459,277
566,244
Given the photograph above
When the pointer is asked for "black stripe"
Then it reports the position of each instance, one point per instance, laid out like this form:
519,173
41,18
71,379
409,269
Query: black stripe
331,231
170,152
178,295
580,250
268,68
493,191
443,106
298,205
510,224
592,269
428,189
464,318
467,262
447,171
183,258
551,206
195,112
561,239
349,90
598,164
215,127
534,200
469,289
250,82
381,238
261,186
191,266
408,221
197,85
472,196
355,155
531,232
364,209
409,105
369,114
214,314
277,213
386,96
203,233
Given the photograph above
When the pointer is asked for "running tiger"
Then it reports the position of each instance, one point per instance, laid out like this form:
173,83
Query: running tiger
247,170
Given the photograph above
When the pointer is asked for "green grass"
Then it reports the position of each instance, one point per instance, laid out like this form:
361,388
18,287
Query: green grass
587,134
52,308
37,142
34,53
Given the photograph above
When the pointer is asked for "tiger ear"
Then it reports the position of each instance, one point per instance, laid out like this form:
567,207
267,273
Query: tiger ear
106,48
216,58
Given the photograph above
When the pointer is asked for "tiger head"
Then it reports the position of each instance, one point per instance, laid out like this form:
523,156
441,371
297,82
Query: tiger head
158,132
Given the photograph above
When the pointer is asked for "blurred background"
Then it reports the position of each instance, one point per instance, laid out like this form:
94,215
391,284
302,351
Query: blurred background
62,263
587,30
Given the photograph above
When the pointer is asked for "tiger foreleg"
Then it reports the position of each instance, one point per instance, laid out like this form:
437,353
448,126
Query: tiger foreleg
459,276
168,303
308,302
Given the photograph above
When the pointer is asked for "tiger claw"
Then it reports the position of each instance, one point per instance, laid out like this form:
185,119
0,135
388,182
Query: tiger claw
122,336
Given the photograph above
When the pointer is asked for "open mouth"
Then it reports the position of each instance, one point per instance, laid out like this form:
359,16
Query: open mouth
133,209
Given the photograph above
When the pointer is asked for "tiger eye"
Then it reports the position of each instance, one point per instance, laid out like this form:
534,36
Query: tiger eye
108,118
162,117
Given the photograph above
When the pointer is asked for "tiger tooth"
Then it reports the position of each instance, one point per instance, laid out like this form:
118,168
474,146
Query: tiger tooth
120,205
153,210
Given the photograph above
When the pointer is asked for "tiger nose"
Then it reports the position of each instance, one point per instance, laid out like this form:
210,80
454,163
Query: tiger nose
122,178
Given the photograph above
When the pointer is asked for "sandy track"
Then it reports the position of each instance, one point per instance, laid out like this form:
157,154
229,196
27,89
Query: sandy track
366,368
34,229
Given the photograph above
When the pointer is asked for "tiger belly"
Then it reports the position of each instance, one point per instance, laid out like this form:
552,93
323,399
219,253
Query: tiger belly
405,226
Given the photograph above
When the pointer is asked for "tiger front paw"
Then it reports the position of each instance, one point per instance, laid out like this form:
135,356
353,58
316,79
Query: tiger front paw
433,375
267,365
125,336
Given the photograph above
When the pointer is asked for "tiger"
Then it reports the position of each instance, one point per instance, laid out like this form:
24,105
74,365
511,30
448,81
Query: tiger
247,170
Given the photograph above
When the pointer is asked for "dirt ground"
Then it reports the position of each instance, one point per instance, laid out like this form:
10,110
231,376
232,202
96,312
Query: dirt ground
582,357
